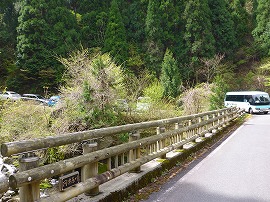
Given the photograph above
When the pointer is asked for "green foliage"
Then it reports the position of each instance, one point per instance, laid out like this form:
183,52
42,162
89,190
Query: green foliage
198,35
45,184
170,76
155,91
8,24
135,85
93,28
241,20
219,89
153,31
266,70
199,41
222,27
136,33
261,33
84,6
53,155
93,84
102,167
124,137
115,35
44,31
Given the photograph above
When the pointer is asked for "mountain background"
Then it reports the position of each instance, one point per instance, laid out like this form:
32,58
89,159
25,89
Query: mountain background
201,40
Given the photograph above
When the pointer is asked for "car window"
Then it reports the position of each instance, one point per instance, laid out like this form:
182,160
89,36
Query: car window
40,97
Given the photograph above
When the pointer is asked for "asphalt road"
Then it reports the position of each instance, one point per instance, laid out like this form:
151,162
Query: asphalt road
238,170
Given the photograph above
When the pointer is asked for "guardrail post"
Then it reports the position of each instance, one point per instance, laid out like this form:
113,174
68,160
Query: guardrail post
199,130
178,137
219,121
135,153
190,132
224,119
162,143
227,117
29,192
90,170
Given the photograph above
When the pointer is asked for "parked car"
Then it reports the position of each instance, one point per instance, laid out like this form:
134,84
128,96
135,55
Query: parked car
53,100
122,105
10,95
143,103
36,98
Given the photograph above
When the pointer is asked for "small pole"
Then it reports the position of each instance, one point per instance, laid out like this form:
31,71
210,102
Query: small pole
162,143
90,170
134,154
29,192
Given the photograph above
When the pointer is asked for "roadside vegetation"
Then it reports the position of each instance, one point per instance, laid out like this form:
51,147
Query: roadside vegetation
180,55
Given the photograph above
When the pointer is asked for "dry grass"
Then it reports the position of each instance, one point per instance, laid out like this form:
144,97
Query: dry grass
24,120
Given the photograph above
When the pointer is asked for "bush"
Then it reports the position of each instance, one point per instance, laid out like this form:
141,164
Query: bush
93,84
23,121
195,100
154,91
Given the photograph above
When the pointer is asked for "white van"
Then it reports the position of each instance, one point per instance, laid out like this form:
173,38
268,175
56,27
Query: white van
251,101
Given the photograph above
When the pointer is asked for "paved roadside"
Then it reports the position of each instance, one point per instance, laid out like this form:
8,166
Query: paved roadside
236,171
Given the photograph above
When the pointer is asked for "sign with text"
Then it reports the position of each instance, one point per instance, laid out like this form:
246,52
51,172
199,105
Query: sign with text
68,180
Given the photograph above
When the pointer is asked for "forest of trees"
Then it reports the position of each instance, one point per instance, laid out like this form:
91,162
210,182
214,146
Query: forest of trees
139,35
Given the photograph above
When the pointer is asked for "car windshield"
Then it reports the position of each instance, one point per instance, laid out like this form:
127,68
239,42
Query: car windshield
261,98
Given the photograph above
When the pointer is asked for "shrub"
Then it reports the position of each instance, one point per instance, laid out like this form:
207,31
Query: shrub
195,100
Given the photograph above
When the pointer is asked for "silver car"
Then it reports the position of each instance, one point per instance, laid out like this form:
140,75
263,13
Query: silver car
35,97
10,95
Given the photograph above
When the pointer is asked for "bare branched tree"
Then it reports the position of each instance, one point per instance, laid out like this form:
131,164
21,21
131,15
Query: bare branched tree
209,68
196,100
135,85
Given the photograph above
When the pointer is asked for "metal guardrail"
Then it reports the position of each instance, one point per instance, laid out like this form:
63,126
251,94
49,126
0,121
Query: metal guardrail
171,134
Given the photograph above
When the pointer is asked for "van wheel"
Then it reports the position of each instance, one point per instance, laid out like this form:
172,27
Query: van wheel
250,111
265,112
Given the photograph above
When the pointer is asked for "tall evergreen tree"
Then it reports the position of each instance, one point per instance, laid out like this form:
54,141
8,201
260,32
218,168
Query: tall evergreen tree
44,32
134,14
240,18
261,33
169,22
86,6
31,40
170,76
198,37
178,29
93,27
8,24
153,30
61,39
115,35
222,27
93,23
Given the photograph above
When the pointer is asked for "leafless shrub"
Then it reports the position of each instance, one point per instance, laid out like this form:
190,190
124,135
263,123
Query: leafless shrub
196,100
136,84
209,68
